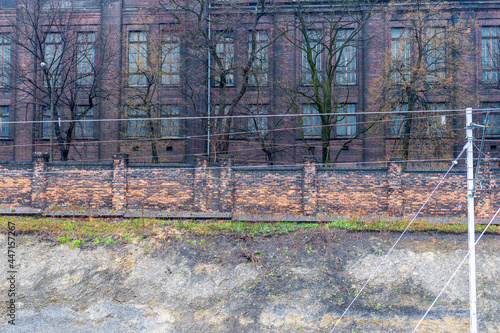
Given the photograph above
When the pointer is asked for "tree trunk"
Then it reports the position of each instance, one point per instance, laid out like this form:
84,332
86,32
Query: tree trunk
154,152
325,143
405,138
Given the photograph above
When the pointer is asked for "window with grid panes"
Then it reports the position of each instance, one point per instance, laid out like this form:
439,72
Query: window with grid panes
170,59
84,128
170,125
490,53
4,59
346,46
257,126
85,58
4,121
260,63
491,118
437,121
398,121
311,55
137,58
346,125
53,52
400,54
435,55
136,122
311,125
225,52
47,119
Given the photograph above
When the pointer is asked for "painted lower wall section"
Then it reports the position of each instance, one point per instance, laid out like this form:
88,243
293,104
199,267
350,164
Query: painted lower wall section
307,190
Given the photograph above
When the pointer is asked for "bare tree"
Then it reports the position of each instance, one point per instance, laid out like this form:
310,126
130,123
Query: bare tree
62,69
424,71
328,38
237,60
152,60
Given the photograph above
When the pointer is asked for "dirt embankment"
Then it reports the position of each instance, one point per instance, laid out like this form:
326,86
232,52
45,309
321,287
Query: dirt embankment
298,282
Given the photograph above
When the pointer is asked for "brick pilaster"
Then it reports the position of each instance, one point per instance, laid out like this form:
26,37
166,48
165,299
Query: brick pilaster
483,192
226,184
310,186
200,184
119,183
39,180
395,188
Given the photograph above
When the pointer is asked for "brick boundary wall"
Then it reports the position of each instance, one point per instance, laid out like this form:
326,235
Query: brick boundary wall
308,190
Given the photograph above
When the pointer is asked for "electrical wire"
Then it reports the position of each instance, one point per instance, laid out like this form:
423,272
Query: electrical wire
397,241
455,272
133,140
235,167
458,111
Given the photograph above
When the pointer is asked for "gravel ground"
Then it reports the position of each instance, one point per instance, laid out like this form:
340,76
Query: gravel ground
299,282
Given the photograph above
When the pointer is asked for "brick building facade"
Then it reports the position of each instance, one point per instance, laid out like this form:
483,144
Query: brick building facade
108,50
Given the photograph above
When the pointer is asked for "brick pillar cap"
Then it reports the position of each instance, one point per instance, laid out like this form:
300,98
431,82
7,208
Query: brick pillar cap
225,157
40,156
201,157
310,159
121,156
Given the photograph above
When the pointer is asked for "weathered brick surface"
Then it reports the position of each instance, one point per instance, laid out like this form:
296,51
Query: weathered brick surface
162,188
448,200
352,191
268,190
225,188
77,185
15,184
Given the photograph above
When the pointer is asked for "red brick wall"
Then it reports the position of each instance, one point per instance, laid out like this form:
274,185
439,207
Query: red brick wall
225,188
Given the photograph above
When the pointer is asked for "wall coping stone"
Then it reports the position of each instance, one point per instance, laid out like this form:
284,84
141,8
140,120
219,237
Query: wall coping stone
81,164
267,168
161,165
353,169
443,171
17,162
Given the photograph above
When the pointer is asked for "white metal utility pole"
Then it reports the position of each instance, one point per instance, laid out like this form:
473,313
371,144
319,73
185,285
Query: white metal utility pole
470,220
209,84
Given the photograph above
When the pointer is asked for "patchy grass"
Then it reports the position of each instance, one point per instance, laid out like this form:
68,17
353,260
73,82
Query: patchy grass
248,228
78,232
421,225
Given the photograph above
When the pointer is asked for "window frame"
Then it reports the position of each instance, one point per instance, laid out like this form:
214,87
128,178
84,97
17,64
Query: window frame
86,53
5,56
87,125
436,124
398,120
260,66
316,51
5,122
224,48
46,120
311,123
167,112
349,61
343,127
258,125
137,48
170,65
136,123
53,52
400,53
494,43
435,58
490,127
